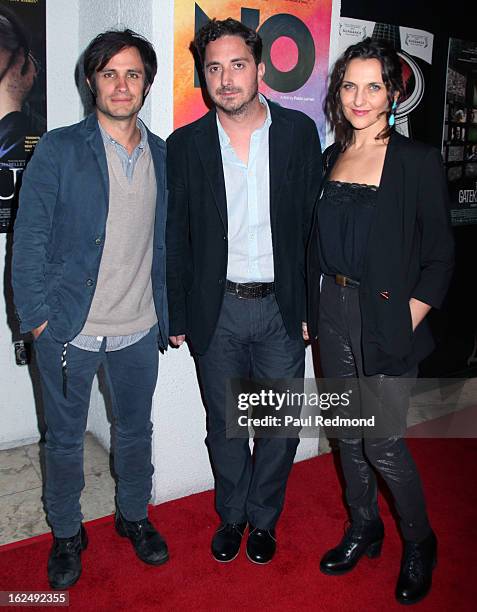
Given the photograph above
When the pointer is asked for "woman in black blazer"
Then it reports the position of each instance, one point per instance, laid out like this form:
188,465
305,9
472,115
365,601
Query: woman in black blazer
381,250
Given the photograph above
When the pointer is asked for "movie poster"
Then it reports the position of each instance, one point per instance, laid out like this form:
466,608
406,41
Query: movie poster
415,51
295,37
459,141
22,95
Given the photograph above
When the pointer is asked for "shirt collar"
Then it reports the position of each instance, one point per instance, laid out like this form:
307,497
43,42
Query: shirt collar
225,140
107,139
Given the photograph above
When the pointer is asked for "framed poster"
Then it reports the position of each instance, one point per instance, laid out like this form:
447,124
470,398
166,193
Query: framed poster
459,139
22,95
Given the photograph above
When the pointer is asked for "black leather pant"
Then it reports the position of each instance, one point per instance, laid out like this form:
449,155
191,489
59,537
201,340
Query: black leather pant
341,356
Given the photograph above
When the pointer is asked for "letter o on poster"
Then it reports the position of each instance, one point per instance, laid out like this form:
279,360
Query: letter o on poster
292,27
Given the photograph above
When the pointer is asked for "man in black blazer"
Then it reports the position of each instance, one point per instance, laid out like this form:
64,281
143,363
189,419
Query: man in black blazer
243,181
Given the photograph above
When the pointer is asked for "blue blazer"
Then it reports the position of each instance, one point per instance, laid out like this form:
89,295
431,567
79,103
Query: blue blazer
60,230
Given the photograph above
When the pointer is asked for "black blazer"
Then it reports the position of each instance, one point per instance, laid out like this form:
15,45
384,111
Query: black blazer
196,234
409,254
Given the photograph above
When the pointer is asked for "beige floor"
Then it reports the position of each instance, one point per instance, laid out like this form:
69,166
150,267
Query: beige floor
21,508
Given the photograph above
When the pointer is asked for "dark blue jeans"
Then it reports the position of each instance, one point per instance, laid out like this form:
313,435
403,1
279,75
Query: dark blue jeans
131,375
250,341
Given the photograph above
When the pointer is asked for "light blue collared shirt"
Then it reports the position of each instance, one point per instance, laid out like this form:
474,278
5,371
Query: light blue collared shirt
128,162
247,187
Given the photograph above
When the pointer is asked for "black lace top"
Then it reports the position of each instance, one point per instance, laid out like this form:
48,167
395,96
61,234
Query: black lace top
345,214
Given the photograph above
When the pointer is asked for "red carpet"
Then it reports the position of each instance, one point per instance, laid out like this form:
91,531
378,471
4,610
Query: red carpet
113,579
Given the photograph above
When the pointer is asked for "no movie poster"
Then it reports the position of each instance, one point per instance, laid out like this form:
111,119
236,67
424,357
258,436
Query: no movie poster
295,37
22,95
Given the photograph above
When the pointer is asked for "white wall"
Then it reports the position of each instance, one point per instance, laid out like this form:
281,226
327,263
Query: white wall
180,456
18,421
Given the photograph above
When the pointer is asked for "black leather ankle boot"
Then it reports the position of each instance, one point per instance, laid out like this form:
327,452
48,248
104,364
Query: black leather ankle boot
415,577
147,542
64,562
365,538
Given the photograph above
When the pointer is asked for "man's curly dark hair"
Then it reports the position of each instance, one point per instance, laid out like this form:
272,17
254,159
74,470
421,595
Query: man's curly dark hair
215,29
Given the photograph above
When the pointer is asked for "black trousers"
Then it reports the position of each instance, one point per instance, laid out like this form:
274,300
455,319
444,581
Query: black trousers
341,356
250,342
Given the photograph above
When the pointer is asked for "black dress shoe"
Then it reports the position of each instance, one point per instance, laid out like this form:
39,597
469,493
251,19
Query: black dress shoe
64,562
148,543
360,539
226,541
261,545
415,577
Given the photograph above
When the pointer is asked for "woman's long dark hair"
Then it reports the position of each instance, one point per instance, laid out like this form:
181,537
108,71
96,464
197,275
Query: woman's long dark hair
392,79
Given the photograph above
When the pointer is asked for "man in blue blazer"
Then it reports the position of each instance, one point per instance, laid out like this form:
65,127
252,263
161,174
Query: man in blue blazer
89,283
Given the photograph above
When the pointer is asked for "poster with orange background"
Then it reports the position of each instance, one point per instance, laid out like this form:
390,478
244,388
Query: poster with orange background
296,39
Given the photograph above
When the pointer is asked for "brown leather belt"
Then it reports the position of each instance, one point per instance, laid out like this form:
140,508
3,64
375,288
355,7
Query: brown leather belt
249,291
345,281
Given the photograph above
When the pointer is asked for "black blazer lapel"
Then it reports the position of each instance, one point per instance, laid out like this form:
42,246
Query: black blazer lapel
389,188
387,175
208,147
280,149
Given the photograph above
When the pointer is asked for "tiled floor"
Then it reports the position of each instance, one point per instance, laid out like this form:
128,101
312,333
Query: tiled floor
21,508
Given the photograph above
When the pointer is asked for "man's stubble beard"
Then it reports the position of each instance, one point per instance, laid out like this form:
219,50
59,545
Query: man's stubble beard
240,110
